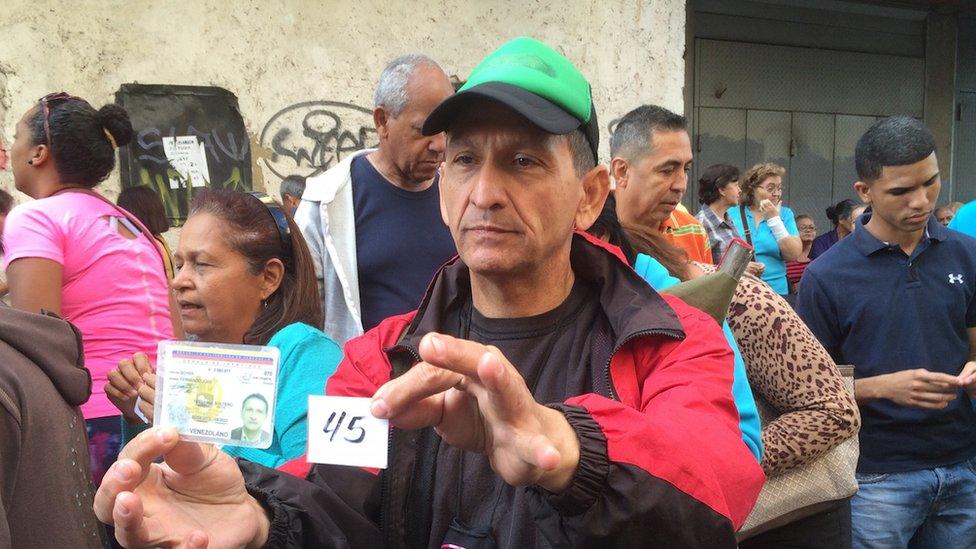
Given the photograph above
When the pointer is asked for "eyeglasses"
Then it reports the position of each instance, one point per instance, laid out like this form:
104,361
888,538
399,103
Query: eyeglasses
57,96
279,218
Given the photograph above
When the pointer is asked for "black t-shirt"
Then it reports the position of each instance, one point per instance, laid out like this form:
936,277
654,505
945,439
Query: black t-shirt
401,241
565,335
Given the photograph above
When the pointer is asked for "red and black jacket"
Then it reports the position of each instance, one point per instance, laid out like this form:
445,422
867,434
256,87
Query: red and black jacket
662,461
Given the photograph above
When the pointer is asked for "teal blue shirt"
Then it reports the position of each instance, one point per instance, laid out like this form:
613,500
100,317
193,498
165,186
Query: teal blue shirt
767,249
658,277
308,359
965,220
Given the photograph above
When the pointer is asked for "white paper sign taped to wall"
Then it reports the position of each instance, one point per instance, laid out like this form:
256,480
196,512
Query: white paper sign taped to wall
342,431
188,156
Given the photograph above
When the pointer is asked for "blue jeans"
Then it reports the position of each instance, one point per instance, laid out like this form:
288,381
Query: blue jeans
929,508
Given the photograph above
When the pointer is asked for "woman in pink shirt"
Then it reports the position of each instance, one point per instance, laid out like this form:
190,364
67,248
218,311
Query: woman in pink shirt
73,253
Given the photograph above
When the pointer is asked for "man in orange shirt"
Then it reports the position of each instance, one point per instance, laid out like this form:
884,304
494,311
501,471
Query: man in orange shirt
651,152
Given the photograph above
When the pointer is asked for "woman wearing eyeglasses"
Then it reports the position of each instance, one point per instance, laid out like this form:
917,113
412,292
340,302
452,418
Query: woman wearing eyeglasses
72,252
767,224
245,275
795,269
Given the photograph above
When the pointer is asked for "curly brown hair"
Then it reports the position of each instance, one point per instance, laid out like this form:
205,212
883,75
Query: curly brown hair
755,177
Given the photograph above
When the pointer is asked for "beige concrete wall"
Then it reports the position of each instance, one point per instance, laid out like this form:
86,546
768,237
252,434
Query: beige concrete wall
274,54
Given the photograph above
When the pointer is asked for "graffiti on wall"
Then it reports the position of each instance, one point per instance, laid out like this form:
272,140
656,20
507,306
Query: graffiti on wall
186,137
310,137
221,147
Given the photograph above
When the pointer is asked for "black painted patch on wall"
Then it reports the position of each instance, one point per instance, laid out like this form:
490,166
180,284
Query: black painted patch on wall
211,114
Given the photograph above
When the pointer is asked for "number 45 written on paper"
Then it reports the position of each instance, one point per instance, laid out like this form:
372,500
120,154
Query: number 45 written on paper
342,431
332,427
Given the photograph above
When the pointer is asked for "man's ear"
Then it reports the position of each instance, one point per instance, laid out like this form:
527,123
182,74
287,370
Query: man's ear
271,277
863,191
619,168
596,187
381,119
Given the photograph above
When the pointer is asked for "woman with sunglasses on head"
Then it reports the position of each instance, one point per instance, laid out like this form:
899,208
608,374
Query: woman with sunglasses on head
72,252
768,225
245,275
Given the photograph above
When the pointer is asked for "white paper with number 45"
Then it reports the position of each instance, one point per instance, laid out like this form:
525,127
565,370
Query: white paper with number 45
342,431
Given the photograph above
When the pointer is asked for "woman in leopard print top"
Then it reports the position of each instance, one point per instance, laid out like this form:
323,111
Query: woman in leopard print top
785,363
792,371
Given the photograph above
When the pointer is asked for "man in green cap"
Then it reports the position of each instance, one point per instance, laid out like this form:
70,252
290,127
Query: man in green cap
542,394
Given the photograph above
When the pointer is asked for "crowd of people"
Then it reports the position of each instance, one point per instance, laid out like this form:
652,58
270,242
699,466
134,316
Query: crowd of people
510,303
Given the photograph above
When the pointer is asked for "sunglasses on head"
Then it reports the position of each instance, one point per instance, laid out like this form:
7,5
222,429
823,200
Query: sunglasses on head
45,101
279,217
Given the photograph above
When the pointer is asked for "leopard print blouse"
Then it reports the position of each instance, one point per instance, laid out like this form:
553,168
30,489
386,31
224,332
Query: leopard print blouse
790,370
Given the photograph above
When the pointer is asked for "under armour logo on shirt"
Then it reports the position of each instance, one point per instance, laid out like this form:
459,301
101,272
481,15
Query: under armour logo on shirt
955,279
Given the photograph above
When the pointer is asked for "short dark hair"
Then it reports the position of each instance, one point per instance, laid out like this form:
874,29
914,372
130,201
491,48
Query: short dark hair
713,180
840,211
80,147
293,185
252,232
583,160
6,202
145,204
257,396
633,134
892,141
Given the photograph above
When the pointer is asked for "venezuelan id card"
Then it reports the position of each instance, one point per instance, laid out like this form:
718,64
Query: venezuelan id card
222,394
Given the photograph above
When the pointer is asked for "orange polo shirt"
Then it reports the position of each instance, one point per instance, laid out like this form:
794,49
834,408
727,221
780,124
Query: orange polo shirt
685,232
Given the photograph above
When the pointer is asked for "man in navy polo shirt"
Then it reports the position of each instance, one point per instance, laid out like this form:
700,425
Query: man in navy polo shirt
896,300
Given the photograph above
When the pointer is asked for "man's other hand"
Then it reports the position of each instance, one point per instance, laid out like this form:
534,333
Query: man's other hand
967,379
477,401
918,388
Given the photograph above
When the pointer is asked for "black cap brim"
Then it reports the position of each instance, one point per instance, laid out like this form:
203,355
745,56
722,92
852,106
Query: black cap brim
538,110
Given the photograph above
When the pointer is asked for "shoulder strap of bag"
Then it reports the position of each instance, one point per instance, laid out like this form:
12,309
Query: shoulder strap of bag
746,228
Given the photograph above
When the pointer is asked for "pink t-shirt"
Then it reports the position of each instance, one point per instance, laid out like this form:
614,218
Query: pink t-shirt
113,288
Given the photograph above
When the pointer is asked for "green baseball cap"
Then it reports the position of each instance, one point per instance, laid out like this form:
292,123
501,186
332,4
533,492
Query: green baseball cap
535,81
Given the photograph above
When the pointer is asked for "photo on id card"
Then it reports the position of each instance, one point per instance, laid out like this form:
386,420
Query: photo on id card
216,393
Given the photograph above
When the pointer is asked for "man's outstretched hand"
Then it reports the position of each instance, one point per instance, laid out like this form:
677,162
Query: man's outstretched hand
195,499
477,401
